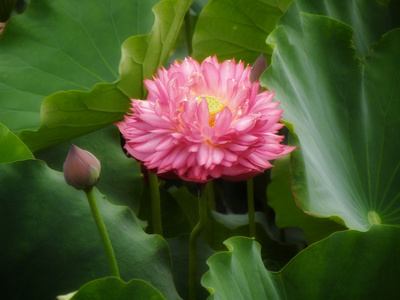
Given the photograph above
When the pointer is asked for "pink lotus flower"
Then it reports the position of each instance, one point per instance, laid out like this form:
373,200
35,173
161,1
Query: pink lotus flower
203,122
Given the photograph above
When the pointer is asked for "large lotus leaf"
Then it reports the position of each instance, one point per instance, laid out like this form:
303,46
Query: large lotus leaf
236,28
67,115
369,19
50,245
288,214
71,114
183,45
120,176
346,265
345,111
12,148
114,288
63,45
142,55
240,273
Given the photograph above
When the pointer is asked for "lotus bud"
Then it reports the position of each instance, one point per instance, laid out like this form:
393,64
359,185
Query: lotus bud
2,27
81,168
259,66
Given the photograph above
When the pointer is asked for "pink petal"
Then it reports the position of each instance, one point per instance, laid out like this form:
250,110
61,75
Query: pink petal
217,155
244,124
188,66
203,114
237,147
217,171
211,76
223,121
203,154
149,146
180,160
154,120
165,144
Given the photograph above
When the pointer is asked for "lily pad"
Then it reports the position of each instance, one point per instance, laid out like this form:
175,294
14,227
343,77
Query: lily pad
60,45
114,288
12,148
71,114
288,214
324,270
236,29
345,112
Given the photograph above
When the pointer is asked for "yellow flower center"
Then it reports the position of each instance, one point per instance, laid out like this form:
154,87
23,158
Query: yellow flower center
214,106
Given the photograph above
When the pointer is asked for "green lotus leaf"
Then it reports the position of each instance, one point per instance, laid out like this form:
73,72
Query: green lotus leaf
71,114
236,29
288,214
142,55
12,148
369,19
68,115
324,270
345,112
240,273
114,288
60,45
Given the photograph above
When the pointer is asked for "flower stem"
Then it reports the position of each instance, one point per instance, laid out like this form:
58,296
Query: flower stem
155,204
250,205
210,196
202,203
112,262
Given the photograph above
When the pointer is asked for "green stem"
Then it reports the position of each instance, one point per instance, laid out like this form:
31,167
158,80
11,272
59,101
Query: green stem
250,205
155,204
112,262
210,196
202,202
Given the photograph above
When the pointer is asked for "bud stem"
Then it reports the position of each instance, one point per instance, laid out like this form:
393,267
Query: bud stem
202,202
250,206
155,204
103,232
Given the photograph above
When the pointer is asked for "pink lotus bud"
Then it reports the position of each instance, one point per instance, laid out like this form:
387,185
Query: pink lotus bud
2,27
259,66
81,168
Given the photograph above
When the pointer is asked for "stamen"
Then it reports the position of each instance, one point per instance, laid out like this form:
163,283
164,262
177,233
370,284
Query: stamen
214,106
